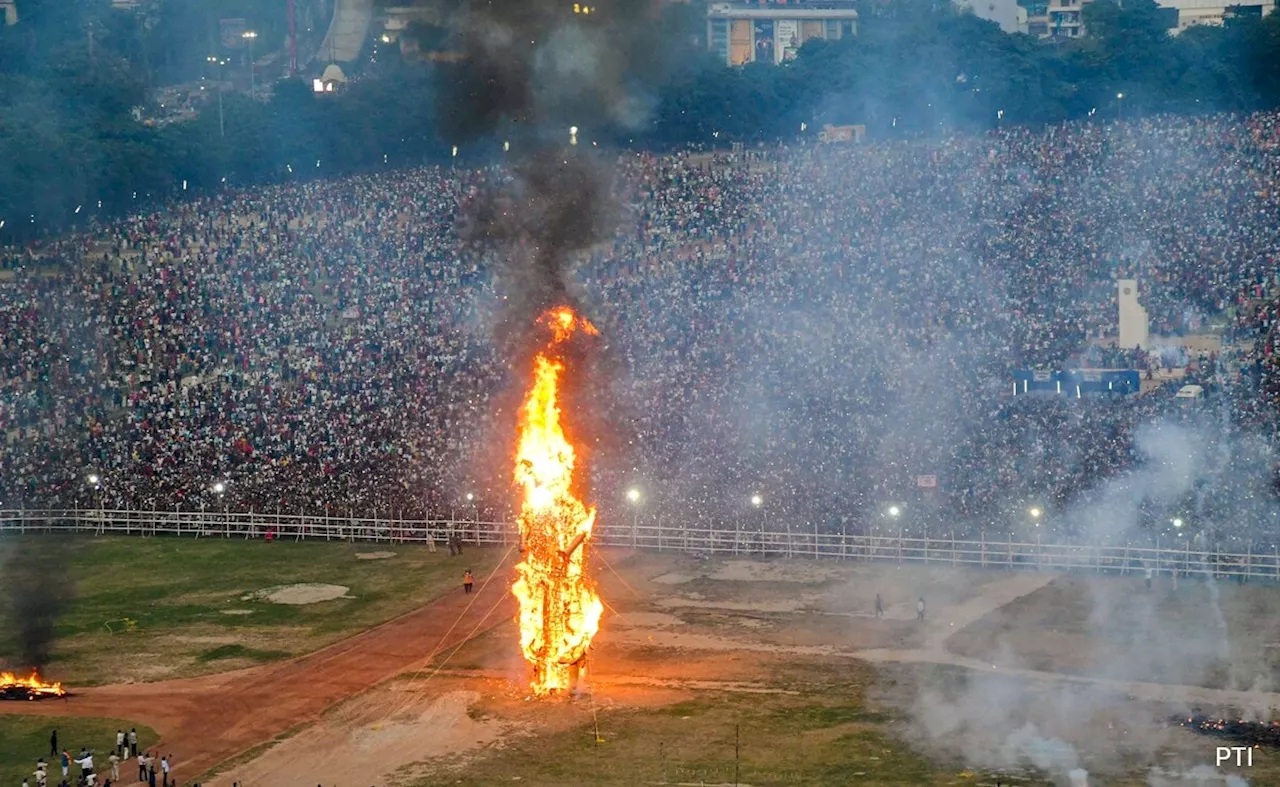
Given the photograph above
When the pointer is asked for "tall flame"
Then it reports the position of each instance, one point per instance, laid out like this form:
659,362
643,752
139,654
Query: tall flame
559,609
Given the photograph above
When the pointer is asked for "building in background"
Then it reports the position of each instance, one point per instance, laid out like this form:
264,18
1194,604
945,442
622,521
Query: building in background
1011,17
1214,12
771,31
1037,17
1066,18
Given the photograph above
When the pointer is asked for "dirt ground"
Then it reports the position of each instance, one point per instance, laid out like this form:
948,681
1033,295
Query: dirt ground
377,734
435,694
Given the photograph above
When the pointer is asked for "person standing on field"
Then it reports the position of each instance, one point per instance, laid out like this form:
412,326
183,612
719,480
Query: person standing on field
133,741
879,606
467,581
920,609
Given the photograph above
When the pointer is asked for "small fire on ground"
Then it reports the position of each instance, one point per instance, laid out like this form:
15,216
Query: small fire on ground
1249,733
559,609
29,688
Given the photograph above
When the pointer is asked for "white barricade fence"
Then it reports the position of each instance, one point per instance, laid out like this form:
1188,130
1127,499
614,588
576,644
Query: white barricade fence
1181,558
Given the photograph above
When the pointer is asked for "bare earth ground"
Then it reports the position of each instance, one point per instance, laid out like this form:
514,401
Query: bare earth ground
399,705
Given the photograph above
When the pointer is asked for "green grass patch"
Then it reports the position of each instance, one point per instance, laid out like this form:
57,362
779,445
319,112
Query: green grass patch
24,739
721,738
240,652
154,608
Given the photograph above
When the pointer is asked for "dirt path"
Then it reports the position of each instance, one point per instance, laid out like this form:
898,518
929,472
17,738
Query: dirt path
205,721
993,596
950,620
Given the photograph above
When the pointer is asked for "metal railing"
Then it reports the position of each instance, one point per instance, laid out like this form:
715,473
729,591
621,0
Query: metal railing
1181,558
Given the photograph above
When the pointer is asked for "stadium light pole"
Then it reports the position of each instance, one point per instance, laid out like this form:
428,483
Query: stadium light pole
95,486
222,128
633,497
1120,106
251,36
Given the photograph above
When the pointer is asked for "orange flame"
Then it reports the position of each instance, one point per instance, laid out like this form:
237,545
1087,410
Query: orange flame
32,684
559,609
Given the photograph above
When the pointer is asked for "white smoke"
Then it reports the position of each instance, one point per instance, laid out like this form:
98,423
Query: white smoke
1002,723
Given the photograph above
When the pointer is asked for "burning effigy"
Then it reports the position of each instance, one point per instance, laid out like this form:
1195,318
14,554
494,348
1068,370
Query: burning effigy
559,609
31,687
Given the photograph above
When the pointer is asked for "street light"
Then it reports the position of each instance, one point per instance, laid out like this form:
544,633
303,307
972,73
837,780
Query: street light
1177,522
1120,105
573,135
250,35
895,512
1035,512
757,501
633,496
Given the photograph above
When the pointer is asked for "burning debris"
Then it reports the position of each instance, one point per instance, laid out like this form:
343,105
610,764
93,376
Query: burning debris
1250,733
29,688
559,609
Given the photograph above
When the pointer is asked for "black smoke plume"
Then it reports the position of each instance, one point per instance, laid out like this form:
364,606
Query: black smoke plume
35,588
530,71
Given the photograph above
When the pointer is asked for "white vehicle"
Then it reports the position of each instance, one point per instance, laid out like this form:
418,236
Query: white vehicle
1190,395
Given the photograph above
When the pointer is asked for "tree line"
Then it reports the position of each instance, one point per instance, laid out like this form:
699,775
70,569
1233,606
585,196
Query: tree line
73,143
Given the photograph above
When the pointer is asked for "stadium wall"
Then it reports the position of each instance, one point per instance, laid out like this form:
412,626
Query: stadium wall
946,550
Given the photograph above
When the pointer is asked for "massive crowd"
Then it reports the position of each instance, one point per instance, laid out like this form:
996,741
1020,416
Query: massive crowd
820,326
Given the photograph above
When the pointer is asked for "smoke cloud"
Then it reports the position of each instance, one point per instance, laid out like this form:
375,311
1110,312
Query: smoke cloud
999,720
551,84
35,589
531,71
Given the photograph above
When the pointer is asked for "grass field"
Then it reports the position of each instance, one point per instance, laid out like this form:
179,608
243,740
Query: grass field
24,739
154,608
823,736
1079,626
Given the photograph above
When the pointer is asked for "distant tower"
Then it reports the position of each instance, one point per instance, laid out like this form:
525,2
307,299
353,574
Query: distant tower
1133,318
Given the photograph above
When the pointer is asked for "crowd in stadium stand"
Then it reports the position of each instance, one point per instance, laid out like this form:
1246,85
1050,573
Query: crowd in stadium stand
817,325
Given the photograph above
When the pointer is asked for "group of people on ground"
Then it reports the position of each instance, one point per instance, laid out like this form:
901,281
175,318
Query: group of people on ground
126,748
